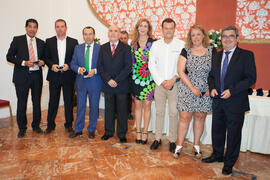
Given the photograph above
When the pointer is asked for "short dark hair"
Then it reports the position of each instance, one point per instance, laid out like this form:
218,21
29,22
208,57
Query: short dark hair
228,28
124,32
60,20
89,27
31,21
168,20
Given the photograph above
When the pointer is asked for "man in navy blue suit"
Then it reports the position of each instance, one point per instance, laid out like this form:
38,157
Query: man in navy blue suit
88,82
114,67
233,72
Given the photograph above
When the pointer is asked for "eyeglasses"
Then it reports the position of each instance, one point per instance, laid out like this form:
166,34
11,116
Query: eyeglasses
228,36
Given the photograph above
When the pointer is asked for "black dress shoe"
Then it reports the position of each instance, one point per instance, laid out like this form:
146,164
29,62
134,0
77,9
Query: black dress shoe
172,147
212,159
227,170
21,133
145,141
91,135
38,130
123,139
250,91
155,144
48,130
105,137
69,129
74,134
260,92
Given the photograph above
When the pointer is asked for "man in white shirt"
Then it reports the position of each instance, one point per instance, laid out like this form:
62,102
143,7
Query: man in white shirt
59,51
163,58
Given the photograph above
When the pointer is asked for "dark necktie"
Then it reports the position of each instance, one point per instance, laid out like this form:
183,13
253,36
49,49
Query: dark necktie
223,71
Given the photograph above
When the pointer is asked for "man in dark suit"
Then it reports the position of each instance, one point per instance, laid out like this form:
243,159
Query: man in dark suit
114,66
59,52
124,39
233,72
26,52
88,82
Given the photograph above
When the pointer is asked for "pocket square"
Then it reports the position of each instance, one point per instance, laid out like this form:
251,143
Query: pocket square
259,92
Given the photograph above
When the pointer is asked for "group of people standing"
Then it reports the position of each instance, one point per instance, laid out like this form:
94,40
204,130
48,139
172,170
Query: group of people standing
191,77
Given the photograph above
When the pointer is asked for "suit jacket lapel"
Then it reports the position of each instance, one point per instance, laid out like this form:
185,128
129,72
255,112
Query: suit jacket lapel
56,49
94,56
233,59
25,44
118,48
108,49
219,60
83,54
67,47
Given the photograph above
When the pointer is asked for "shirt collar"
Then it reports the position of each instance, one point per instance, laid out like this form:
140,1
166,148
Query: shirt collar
91,45
167,43
28,38
116,43
232,50
60,39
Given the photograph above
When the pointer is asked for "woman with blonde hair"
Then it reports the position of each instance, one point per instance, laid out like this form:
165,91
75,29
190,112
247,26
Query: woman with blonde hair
193,99
142,83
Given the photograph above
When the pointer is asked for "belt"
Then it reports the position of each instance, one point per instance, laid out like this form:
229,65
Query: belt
30,72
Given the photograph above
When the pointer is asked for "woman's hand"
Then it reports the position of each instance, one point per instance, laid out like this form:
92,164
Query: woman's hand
196,92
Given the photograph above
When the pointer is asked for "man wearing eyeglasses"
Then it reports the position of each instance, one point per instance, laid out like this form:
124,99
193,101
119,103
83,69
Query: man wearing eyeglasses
233,72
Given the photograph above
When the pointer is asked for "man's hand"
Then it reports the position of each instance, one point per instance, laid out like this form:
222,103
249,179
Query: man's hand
55,67
29,63
91,73
82,70
168,84
40,63
226,94
164,84
112,83
65,67
206,93
214,93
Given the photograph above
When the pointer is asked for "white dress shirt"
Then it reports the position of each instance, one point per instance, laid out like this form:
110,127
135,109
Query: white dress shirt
163,59
34,43
116,43
61,48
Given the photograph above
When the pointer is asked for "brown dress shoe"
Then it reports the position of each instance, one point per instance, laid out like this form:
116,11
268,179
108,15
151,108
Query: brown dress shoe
91,135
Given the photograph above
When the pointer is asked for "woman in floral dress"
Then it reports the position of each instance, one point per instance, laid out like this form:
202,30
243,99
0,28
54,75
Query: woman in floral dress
142,83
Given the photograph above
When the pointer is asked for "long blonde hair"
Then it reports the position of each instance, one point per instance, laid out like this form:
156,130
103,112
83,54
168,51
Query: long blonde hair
205,41
136,34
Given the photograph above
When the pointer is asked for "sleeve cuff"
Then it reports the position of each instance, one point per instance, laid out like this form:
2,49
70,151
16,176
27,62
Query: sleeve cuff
23,63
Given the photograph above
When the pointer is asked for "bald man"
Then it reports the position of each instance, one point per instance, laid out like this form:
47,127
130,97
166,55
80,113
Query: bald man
114,66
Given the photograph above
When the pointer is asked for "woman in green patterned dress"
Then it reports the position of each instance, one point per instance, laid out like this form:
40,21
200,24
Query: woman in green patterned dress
142,83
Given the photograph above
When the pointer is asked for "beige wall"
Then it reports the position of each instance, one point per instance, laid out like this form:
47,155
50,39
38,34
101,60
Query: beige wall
13,14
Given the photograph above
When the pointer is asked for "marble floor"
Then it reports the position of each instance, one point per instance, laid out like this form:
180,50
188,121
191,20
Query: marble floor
55,156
